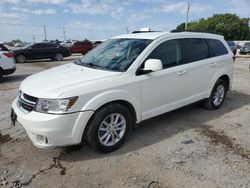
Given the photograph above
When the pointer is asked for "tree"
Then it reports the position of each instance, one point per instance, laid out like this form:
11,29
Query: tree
231,26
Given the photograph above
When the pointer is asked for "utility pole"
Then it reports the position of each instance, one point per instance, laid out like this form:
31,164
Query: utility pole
34,40
45,34
186,24
127,31
64,37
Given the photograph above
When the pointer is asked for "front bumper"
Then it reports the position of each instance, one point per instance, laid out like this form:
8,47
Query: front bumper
49,130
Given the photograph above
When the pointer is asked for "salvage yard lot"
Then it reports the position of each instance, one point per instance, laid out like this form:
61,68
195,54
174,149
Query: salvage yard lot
190,147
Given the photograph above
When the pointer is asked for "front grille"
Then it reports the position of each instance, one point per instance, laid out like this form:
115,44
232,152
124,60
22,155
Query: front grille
26,102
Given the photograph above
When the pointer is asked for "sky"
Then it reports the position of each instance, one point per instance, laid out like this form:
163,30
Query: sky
102,19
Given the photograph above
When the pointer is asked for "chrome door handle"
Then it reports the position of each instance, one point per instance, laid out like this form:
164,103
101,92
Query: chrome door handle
182,72
213,64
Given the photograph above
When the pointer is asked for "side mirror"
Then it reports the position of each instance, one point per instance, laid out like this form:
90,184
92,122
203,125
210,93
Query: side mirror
153,65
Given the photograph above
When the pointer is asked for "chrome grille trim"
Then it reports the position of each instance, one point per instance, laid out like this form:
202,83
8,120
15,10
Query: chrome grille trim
24,103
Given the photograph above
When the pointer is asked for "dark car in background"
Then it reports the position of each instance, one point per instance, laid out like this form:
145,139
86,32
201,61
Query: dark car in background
81,47
232,46
41,51
3,47
245,49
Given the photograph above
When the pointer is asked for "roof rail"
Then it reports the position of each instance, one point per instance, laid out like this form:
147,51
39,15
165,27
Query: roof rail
144,32
198,31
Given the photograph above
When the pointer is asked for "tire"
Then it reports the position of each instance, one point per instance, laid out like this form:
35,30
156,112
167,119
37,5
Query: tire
58,57
101,133
217,95
1,75
20,58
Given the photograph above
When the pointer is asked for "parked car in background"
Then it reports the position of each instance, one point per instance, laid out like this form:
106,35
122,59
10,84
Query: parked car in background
81,47
41,51
130,78
3,47
66,44
232,46
96,43
7,63
245,49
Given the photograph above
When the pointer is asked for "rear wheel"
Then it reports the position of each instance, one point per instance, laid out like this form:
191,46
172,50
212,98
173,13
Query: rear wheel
20,58
1,75
58,57
217,96
109,128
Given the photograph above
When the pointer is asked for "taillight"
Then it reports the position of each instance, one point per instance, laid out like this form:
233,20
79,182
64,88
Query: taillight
8,54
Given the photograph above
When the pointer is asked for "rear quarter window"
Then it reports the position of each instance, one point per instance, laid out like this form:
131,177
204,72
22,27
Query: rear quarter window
216,47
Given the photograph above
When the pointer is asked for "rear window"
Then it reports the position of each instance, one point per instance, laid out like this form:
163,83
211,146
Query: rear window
216,48
194,49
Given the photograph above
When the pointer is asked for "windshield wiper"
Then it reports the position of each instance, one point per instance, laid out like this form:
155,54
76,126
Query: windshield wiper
78,62
94,65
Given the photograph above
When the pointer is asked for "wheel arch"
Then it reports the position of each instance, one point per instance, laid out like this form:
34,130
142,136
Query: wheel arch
226,78
124,103
221,74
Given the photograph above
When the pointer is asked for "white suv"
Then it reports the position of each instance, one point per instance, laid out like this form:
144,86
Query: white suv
7,63
126,80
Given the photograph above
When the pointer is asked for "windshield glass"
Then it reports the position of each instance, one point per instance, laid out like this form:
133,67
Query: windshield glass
230,43
115,54
247,44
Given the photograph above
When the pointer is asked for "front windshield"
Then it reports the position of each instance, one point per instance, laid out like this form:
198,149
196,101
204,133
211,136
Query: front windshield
28,45
115,54
247,44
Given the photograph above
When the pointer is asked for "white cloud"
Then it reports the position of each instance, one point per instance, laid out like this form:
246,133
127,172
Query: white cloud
10,1
43,11
94,7
46,1
9,15
181,8
137,17
239,7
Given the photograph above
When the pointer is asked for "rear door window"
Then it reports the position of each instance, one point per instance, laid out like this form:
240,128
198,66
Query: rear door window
216,48
195,49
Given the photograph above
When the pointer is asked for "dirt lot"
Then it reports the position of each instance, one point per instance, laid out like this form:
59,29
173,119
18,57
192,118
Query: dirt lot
190,147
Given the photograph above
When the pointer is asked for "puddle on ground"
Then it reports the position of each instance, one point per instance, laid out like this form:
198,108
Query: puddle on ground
4,138
224,140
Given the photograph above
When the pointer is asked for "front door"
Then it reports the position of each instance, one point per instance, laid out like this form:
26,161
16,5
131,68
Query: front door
164,90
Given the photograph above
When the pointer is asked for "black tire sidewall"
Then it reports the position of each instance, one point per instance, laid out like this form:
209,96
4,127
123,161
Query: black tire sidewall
95,123
60,56
1,75
19,56
219,82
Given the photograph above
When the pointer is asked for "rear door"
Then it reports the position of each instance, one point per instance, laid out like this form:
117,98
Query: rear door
202,66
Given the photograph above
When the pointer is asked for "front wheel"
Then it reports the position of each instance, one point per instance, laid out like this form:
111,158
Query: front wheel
58,57
217,96
109,128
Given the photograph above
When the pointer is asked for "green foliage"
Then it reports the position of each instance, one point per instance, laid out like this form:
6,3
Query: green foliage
230,26
16,41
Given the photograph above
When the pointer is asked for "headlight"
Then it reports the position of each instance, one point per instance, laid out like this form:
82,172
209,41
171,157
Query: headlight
55,106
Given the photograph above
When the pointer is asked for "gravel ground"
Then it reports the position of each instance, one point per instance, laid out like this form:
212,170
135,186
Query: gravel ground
189,147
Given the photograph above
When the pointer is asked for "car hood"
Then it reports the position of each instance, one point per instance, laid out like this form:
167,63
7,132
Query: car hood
54,82
16,51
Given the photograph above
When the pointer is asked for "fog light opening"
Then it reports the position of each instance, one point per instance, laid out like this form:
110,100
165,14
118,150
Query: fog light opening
41,139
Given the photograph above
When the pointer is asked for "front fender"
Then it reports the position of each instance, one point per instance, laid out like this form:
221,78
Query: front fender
109,96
